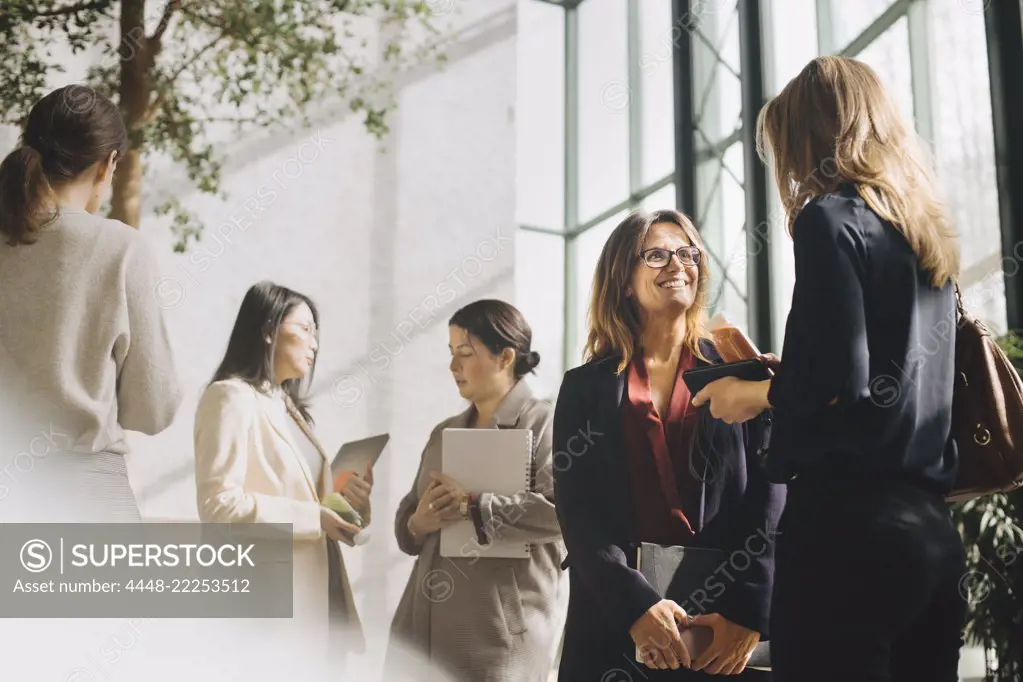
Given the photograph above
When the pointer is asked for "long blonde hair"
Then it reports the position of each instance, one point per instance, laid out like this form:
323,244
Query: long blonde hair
613,319
834,123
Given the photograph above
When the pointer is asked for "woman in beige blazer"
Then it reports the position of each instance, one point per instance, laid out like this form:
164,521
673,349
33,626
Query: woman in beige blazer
483,619
257,459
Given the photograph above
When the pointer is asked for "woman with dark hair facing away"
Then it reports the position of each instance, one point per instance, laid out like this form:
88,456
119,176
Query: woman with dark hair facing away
257,459
644,466
83,344
497,622
869,561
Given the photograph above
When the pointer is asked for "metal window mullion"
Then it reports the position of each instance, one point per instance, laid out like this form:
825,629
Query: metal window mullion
635,110
825,27
758,262
634,199
920,69
685,113
896,11
1002,25
541,230
571,305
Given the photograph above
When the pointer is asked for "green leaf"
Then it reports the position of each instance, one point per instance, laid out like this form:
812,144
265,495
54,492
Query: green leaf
253,65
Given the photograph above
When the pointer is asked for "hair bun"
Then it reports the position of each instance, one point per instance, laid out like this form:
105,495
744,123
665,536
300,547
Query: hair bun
526,363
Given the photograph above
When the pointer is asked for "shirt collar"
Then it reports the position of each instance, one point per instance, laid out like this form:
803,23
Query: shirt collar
508,410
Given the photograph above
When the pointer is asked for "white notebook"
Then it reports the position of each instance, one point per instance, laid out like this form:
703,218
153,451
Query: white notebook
486,461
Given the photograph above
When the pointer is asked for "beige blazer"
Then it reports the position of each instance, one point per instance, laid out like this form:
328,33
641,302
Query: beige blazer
249,469
487,619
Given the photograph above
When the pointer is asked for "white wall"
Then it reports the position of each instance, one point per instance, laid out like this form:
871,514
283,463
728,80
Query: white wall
389,239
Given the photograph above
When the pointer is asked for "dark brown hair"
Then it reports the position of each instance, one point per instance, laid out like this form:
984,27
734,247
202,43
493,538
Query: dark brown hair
66,132
499,325
249,357
613,319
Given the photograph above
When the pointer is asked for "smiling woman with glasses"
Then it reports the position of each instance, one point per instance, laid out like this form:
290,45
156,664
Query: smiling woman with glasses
660,471
660,257
257,459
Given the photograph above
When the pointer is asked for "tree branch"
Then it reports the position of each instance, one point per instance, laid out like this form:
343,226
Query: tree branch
154,107
164,21
74,9
232,119
225,30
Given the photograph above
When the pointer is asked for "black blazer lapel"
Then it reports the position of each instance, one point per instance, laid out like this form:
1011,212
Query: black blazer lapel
609,389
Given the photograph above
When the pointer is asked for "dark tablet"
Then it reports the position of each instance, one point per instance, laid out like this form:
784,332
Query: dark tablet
749,370
357,454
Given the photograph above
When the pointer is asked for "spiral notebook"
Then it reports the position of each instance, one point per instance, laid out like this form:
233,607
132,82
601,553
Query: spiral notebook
498,461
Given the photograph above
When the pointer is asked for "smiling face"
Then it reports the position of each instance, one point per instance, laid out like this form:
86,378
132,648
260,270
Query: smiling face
478,373
671,289
296,344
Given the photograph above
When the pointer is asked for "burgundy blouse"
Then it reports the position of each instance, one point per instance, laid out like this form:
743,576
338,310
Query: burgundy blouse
658,451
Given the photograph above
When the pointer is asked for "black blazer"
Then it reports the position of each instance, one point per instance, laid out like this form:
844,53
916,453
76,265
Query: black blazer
739,511
868,328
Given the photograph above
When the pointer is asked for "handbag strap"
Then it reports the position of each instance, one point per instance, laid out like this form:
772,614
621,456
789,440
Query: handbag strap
964,318
959,299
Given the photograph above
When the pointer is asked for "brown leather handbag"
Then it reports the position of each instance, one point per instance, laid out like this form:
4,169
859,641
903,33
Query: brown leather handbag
987,413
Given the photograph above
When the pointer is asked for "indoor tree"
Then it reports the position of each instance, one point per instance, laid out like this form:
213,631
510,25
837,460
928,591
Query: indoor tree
180,68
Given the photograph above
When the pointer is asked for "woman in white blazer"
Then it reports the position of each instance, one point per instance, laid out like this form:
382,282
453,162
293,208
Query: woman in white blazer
257,459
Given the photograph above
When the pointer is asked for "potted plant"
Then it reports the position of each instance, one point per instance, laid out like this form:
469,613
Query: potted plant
992,531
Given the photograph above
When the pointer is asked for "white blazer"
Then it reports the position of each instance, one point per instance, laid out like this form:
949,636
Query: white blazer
248,469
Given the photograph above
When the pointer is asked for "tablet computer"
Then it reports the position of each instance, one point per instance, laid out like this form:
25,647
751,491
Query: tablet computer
749,370
356,455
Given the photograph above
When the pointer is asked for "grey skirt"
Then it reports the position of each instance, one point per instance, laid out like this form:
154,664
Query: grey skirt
67,488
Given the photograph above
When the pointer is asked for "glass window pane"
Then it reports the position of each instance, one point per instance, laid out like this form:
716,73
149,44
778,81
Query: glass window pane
727,43
661,199
792,39
540,114
656,80
540,295
793,43
783,266
604,99
722,221
733,200
889,56
849,19
717,88
965,154
587,248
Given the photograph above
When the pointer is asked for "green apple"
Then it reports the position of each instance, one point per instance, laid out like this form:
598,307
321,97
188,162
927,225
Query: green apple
338,503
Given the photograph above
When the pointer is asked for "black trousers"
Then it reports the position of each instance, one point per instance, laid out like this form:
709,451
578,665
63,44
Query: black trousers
867,584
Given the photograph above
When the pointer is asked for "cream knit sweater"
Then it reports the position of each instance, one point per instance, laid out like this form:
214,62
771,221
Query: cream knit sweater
84,350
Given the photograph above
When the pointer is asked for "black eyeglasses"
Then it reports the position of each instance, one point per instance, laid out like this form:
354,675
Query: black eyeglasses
659,258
